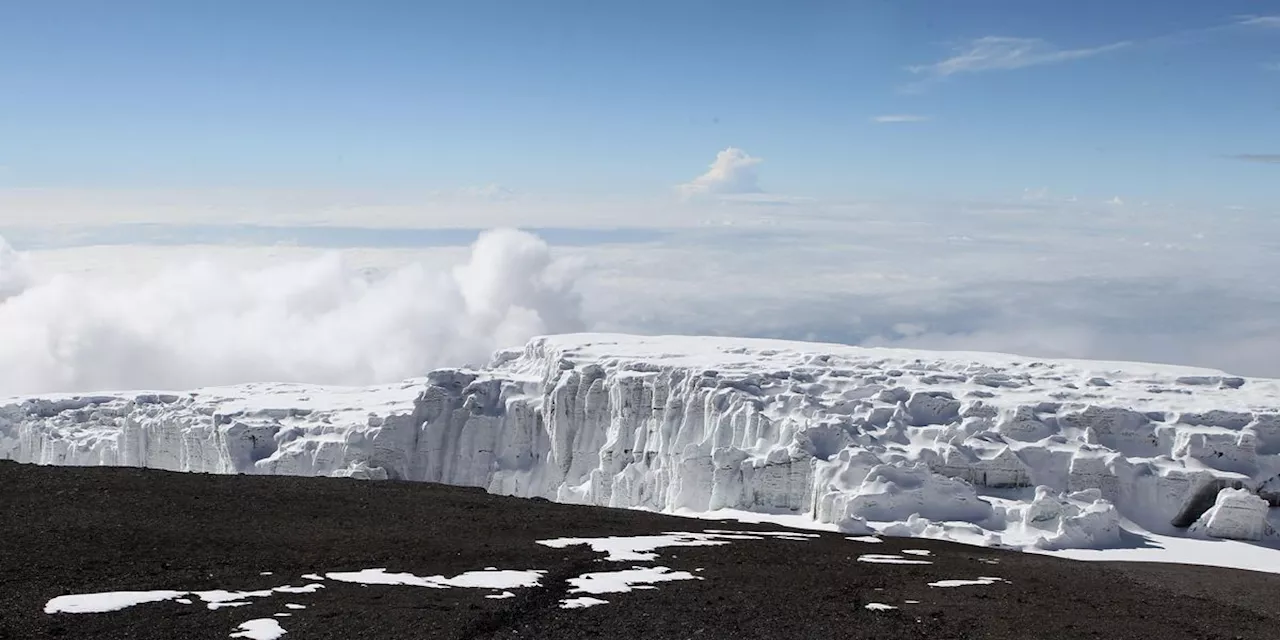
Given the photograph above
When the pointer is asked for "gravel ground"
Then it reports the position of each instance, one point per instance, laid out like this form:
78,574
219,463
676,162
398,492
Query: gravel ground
85,530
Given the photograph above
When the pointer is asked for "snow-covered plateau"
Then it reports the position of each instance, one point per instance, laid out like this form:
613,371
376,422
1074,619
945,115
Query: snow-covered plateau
992,449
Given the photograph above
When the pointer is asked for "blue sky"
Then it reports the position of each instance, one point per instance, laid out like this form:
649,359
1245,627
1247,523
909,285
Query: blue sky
1090,98
1080,179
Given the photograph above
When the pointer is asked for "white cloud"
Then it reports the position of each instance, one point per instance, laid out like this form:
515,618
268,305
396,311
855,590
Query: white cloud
1035,194
900,117
1270,22
13,272
1115,201
991,53
1003,53
733,172
1042,278
315,320
487,192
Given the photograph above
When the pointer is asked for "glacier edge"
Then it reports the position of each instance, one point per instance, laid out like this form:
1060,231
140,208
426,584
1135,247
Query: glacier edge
844,434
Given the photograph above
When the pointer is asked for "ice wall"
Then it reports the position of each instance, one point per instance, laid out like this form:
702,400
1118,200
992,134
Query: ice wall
844,434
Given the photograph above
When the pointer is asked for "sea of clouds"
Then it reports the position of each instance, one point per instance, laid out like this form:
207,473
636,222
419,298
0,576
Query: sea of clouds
105,303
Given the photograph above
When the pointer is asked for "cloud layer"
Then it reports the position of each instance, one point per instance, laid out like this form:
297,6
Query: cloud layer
1036,275
316,320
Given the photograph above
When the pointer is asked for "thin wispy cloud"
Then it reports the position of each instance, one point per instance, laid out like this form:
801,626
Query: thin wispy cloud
993,53
1035,194
1265,158
1003,53
900,117
1270,22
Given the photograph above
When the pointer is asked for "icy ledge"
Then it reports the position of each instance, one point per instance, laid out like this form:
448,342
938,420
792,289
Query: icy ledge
1000,449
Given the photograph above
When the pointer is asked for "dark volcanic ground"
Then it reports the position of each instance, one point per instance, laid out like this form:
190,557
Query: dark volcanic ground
82,530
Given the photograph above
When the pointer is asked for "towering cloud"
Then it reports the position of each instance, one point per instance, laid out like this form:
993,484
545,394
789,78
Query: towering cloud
315,321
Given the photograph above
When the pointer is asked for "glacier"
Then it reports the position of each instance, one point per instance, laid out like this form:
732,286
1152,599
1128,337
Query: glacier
999,449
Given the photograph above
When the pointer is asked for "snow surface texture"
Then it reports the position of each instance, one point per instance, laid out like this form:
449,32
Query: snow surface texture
986,448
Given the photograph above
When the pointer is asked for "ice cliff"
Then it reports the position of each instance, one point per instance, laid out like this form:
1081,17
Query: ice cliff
1020,451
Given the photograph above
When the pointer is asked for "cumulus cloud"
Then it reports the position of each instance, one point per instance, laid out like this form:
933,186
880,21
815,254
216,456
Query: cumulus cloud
733,172
316,320
13,272
1004,53
900,117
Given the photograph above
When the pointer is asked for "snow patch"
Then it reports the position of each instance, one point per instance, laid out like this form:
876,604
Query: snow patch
259,629
109,601
887,558
626,580
966,583
581,602
641,548
497,579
